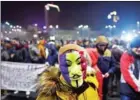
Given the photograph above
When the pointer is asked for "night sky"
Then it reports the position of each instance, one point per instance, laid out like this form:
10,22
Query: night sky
92,13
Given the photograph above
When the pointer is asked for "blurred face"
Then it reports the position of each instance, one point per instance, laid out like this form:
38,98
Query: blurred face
136,51
102,46
15,42
73,68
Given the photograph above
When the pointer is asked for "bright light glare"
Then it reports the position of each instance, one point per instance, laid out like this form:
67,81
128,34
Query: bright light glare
114,26
17,26
110,26
138,22
134,31
114,13
86,26
106,26
35,35
47,7
129,37
109,16
7,23
36,24
123,32
50,26
52,37
80,26
11,26
44,27
57,26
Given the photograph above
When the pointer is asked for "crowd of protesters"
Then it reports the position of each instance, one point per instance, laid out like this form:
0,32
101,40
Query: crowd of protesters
37,50
114,60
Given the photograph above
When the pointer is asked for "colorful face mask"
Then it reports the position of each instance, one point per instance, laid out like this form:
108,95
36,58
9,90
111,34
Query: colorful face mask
73,66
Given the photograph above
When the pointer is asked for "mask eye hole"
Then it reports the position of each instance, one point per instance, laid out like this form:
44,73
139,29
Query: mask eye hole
68,62
78,61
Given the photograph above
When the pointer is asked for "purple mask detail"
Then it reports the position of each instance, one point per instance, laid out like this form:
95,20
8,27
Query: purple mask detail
64,67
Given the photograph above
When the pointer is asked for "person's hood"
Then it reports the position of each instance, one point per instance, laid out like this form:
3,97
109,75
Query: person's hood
102,39
41,42
73,47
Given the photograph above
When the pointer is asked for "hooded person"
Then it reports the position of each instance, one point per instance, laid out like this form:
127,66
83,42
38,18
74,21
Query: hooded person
104,62
41,48
130,72
73,80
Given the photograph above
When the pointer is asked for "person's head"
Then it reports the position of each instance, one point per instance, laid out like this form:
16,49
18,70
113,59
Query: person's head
135,45
101,43
73,62
15,41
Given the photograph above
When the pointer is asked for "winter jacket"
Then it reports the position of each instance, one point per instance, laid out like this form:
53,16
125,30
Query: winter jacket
54,87
53,55
41,47
106,63
130,74
94,59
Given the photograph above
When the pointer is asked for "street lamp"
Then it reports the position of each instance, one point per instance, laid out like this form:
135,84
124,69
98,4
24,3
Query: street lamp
7,23
106,26
36,25
85,27
114,13
80,26
57,26
44,27
110,27
50,26
114,26
47,8
109,16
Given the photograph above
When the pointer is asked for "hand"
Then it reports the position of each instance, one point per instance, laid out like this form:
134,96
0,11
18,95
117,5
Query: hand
106,75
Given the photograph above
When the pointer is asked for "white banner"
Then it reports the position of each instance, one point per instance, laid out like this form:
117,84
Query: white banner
20,76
